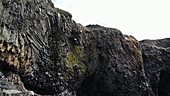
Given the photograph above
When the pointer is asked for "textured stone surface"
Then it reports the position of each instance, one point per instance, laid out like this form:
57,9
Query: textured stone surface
156,55
116,63
42,49
41,44
11,85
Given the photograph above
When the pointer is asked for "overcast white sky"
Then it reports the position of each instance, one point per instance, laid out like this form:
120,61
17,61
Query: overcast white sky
144,19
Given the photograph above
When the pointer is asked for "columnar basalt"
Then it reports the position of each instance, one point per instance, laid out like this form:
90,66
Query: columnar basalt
42,49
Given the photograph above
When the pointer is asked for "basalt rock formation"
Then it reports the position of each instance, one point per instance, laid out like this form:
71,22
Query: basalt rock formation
118,65
156,56
43,50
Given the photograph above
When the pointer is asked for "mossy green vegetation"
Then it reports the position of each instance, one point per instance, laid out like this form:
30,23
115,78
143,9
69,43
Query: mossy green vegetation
74,59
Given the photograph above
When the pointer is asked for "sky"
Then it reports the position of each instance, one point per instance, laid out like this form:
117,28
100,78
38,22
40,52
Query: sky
143,19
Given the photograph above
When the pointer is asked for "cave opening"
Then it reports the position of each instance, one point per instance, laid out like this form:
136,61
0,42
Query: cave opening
164,83
6,69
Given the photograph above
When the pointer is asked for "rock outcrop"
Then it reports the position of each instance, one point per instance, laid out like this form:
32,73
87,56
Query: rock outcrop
116,63
42,49
156,56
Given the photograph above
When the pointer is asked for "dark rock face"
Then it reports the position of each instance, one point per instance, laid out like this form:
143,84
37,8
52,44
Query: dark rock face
42,49
11,85
42,45
27,27
116,62
156,54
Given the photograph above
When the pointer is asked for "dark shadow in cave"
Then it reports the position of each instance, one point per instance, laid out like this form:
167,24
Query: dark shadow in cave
164,83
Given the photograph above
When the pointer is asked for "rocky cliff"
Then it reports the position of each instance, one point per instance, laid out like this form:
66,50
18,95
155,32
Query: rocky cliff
156,56
43,50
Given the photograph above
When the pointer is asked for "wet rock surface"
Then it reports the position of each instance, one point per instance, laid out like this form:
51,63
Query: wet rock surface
43,50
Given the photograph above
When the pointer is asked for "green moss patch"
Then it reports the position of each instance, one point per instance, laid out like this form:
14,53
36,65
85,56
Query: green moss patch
74,59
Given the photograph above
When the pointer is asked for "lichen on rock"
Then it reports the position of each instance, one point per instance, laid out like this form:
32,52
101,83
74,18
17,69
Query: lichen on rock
44,50
74,62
